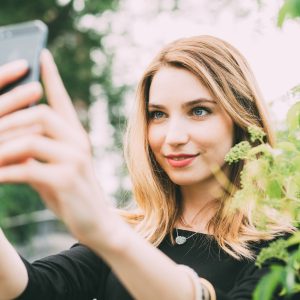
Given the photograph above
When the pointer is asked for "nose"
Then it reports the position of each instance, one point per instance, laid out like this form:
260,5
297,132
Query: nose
177,133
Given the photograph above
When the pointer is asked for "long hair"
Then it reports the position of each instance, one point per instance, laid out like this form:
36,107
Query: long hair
228,77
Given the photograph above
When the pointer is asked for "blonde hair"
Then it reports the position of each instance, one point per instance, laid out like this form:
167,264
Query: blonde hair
227,75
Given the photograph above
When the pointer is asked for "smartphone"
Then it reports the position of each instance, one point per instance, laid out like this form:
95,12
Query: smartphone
23,41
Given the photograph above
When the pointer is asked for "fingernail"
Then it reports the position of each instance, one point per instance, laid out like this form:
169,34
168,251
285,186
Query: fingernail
46,53
37,86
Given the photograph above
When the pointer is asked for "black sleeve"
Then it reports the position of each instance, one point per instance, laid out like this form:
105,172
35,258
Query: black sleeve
75,274
245,284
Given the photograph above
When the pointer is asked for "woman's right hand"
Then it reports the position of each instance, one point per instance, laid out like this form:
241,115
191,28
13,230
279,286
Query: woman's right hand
56,161
46,147
27,94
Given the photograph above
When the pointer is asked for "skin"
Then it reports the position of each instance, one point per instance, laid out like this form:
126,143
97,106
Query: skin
46,147
178,125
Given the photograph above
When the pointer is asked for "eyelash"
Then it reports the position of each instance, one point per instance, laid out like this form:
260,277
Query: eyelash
207,110
152,114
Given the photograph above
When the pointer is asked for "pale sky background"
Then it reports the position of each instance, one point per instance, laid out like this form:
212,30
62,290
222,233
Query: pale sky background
139,30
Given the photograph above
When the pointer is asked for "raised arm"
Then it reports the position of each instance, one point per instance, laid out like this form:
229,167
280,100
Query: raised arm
13,274
46,147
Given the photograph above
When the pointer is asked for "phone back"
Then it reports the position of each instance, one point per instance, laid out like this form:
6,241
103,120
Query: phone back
23,41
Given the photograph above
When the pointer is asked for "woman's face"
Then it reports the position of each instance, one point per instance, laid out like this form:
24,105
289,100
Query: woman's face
188,130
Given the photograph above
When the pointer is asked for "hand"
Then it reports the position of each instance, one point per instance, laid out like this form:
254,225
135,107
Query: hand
47,148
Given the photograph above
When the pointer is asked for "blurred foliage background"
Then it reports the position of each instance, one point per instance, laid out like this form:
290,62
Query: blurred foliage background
86,66
71,46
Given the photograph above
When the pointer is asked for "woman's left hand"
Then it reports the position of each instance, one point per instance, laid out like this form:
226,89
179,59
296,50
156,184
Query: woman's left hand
46,147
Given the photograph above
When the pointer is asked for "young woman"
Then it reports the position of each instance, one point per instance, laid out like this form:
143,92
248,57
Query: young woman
194,102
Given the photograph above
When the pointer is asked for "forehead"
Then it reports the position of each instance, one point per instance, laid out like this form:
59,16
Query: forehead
171,84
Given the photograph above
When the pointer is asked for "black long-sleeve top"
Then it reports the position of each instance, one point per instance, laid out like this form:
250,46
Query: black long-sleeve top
79,274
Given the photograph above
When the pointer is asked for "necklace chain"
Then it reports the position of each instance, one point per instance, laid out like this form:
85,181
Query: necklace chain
180,239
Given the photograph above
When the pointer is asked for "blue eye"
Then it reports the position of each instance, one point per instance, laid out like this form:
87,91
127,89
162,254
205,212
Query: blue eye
200,111
156,114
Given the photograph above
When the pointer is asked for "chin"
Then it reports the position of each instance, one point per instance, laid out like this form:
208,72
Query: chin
183,180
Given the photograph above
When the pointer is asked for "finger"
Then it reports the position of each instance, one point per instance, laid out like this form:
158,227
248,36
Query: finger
57,95
40,176
20,97
12,71
34,146
19,132
30,172
45,121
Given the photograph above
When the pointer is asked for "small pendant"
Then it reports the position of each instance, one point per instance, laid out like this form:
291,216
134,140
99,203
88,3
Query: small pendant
180,240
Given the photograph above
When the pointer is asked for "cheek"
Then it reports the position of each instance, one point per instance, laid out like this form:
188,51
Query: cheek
216,136
225,137
155,138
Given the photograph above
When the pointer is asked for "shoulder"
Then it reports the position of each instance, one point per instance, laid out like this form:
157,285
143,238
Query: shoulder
77,258
273,251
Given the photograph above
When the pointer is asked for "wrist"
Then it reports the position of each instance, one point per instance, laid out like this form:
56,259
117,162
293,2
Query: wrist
208,289
202,288
109,236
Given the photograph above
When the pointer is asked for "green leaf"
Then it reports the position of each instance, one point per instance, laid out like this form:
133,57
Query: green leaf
293,117
274,189
238,152
297,288
288,280
282,14
296,163
262,148
268,284
256,133
290,9
276,250
286,146
294,239
295,260
292,187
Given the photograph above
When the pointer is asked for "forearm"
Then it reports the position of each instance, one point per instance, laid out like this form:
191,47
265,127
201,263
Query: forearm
13,274
144,270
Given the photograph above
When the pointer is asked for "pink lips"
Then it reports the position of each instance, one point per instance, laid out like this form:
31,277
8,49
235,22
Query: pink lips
180,160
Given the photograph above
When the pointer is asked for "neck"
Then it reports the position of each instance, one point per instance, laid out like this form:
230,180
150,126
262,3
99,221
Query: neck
199,204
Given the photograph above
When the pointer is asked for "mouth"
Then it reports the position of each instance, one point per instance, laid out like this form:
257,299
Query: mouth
181,160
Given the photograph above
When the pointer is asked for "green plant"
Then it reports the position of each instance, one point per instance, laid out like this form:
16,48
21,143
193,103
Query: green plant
289,9
270,183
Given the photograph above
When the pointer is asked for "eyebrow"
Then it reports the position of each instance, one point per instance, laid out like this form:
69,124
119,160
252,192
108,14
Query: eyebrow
186,104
